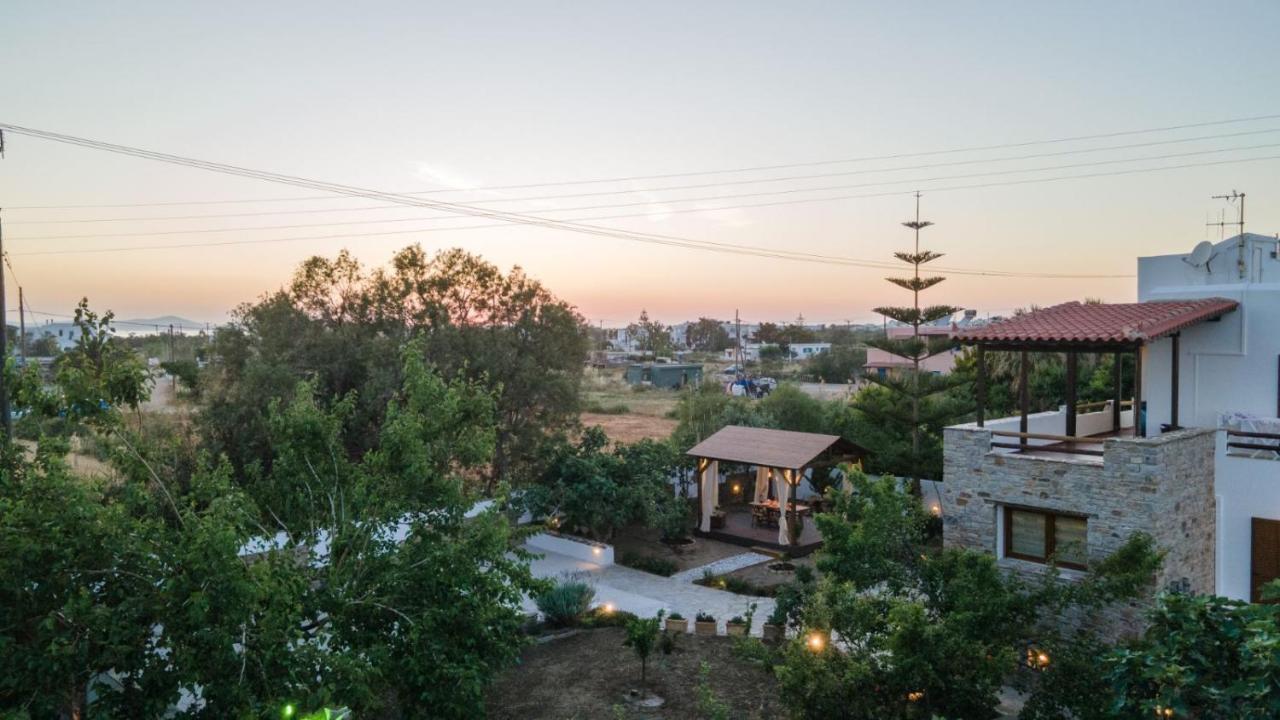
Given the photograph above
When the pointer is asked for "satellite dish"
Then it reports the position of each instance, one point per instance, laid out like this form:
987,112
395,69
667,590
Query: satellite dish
1201,255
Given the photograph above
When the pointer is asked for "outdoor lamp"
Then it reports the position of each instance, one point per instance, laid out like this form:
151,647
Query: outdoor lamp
607,608
915,696
816,641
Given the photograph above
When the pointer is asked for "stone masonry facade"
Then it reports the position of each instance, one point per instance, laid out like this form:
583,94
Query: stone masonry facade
1162,486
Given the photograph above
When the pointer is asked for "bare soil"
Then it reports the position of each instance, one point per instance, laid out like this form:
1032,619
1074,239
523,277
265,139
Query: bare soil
631,427
588,675
648,542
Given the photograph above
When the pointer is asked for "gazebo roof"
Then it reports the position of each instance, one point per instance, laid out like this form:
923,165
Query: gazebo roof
1098,324
782,449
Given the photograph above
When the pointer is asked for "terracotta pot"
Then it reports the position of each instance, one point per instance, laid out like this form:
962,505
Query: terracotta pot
705,629
717,522
773,633
738,629
680,626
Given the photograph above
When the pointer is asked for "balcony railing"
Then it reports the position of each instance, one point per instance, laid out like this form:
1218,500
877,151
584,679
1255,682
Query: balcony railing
1253,442
1057,443
1047,431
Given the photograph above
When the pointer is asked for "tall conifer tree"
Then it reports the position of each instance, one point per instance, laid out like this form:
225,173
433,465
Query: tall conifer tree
918,409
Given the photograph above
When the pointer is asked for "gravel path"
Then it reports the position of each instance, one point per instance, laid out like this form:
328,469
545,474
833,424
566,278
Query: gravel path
645,594
722,566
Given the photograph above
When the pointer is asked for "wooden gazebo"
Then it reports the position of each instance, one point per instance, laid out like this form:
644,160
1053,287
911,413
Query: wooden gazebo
1073,328
780,456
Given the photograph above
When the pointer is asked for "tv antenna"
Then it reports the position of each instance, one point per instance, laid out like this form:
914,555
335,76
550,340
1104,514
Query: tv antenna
1231,199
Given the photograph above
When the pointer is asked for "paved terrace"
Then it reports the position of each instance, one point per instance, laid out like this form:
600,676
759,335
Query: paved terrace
645,594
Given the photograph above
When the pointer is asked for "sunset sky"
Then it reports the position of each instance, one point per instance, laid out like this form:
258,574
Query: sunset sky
420,96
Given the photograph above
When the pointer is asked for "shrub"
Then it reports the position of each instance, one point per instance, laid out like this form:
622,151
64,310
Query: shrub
656,565
676,616
566,602
704,617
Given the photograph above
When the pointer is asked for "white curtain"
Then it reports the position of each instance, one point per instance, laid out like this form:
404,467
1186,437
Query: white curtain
709,493
762,484
782,491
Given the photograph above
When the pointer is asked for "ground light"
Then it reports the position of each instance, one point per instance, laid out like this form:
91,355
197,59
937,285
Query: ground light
607,608
288,711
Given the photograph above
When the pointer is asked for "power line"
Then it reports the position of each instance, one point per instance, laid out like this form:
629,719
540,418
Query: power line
648,203
517,218
757,168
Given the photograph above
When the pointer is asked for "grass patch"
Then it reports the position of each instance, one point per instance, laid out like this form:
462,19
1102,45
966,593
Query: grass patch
650,564
601,408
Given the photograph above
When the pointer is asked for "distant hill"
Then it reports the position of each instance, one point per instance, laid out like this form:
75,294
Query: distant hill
164,321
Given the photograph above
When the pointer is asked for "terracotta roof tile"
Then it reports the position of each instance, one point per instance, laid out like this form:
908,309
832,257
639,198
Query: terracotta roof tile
1105,324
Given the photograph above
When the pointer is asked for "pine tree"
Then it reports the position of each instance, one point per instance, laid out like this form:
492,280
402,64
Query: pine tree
917,408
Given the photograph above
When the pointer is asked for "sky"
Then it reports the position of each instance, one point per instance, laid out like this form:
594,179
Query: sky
468,97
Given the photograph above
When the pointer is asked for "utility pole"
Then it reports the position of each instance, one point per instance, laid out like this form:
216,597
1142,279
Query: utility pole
1240,244
737,345
4,350
22,327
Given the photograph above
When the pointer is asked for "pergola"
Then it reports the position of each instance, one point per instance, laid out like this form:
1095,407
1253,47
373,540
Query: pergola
1073,328
780,456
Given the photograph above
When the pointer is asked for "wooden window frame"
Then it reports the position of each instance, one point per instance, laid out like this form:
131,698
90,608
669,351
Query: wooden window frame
1050,539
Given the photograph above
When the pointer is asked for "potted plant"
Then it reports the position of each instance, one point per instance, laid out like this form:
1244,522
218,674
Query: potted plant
677,623
704,624
736,626
717,520
776,626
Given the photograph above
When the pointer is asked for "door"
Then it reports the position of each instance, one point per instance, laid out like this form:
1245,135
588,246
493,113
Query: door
1266,556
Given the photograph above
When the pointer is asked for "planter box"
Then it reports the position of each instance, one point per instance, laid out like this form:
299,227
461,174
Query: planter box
680,626
738,629
774,633
717,522
706,629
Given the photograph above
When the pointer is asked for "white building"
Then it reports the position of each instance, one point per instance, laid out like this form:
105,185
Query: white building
1229,378
1196,465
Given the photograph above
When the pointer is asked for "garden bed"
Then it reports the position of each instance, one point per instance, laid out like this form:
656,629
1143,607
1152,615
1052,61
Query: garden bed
586,675
637,541
762,579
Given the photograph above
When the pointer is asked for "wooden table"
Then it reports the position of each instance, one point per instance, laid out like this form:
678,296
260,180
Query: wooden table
767,512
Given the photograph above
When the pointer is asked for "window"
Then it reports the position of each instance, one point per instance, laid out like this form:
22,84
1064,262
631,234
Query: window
1039,536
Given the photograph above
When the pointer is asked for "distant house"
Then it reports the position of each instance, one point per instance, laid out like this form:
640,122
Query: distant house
804,351
882,362
672,375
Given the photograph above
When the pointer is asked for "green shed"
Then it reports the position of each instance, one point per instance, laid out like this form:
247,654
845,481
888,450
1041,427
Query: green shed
661,375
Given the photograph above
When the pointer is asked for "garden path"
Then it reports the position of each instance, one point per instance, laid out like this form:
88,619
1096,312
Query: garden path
645,594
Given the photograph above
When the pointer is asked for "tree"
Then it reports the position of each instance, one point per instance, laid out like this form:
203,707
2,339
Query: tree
342,328
707,335
642,638
596,489
99,375
913,413
1200,657
652,337
925,633
840,364
153,586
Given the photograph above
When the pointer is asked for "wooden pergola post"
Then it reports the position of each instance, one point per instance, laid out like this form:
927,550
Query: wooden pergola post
980,358
1071,392
1139,427
1173,379
1117,397
1024,398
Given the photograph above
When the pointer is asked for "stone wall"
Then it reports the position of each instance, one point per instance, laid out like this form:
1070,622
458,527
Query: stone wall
1162,486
